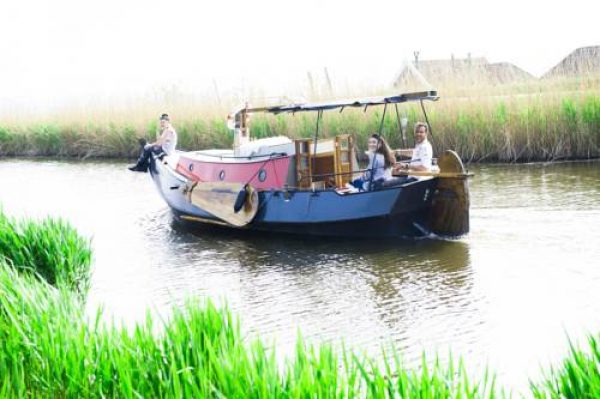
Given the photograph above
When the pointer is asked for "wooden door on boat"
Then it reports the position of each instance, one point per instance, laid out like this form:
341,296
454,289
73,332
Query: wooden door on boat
303,162
343,159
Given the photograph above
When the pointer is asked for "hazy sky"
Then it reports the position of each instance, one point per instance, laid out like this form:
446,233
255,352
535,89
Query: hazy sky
64,50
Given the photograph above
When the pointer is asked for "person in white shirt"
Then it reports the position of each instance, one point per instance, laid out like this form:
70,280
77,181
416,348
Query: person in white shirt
422,154
166,143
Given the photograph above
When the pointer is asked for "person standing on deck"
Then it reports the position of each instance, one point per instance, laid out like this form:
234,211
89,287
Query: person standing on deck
166,143
422,156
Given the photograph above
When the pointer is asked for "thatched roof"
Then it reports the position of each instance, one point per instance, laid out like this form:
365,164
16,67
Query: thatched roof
460,72
505,72
582,61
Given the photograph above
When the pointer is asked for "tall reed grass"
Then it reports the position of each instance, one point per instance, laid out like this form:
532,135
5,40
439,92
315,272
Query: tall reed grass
551,120
498,129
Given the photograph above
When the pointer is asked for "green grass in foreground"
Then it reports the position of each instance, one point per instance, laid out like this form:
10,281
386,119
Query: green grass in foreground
577,378
49,348
50,248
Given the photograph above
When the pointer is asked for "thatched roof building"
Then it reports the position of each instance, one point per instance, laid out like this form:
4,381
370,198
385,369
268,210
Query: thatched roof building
582,61
458,72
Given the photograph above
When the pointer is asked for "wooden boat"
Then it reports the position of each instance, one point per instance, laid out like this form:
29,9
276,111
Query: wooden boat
297,186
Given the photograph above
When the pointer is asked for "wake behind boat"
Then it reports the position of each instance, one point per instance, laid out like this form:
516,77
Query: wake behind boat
299,186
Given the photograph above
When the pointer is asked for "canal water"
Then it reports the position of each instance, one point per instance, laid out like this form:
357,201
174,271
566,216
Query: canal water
508,296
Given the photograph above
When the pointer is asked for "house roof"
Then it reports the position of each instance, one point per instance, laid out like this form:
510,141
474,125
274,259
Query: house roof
465,71
583,60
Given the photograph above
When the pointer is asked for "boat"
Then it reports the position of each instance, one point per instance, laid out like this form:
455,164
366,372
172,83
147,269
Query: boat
297,186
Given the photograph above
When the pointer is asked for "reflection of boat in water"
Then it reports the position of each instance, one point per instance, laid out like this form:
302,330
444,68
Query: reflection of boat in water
293,186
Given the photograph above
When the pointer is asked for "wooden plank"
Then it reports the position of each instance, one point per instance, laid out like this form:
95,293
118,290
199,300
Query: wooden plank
218,198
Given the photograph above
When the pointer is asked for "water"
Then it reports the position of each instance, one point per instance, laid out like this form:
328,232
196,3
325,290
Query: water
507,296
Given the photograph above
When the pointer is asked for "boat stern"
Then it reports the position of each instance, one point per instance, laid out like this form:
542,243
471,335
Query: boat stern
451,201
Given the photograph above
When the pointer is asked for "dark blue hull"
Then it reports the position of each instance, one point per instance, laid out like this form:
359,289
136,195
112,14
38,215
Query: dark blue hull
390,212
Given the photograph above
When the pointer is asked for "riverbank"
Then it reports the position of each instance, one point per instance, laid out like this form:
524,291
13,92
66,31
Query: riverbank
518,127
49,348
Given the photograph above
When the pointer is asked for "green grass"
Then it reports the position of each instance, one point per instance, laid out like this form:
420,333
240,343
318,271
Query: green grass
577,378
49,347
50,248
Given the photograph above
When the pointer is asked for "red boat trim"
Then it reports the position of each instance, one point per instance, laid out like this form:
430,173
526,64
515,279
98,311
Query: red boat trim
263,174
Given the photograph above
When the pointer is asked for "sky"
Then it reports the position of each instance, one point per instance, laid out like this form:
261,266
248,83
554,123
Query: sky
84,51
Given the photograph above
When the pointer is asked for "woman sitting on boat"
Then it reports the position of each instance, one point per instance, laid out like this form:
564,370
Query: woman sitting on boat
381,159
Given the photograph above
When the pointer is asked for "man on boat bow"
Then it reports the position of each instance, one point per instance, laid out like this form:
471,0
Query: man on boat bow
166,143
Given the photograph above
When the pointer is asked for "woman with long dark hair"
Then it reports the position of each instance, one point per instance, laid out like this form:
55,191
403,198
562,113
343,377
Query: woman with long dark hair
381,159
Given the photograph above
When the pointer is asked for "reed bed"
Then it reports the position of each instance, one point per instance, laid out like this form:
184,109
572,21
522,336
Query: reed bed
524,129
551,120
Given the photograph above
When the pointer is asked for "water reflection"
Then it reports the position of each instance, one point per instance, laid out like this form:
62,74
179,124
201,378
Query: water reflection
368,292
443,266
